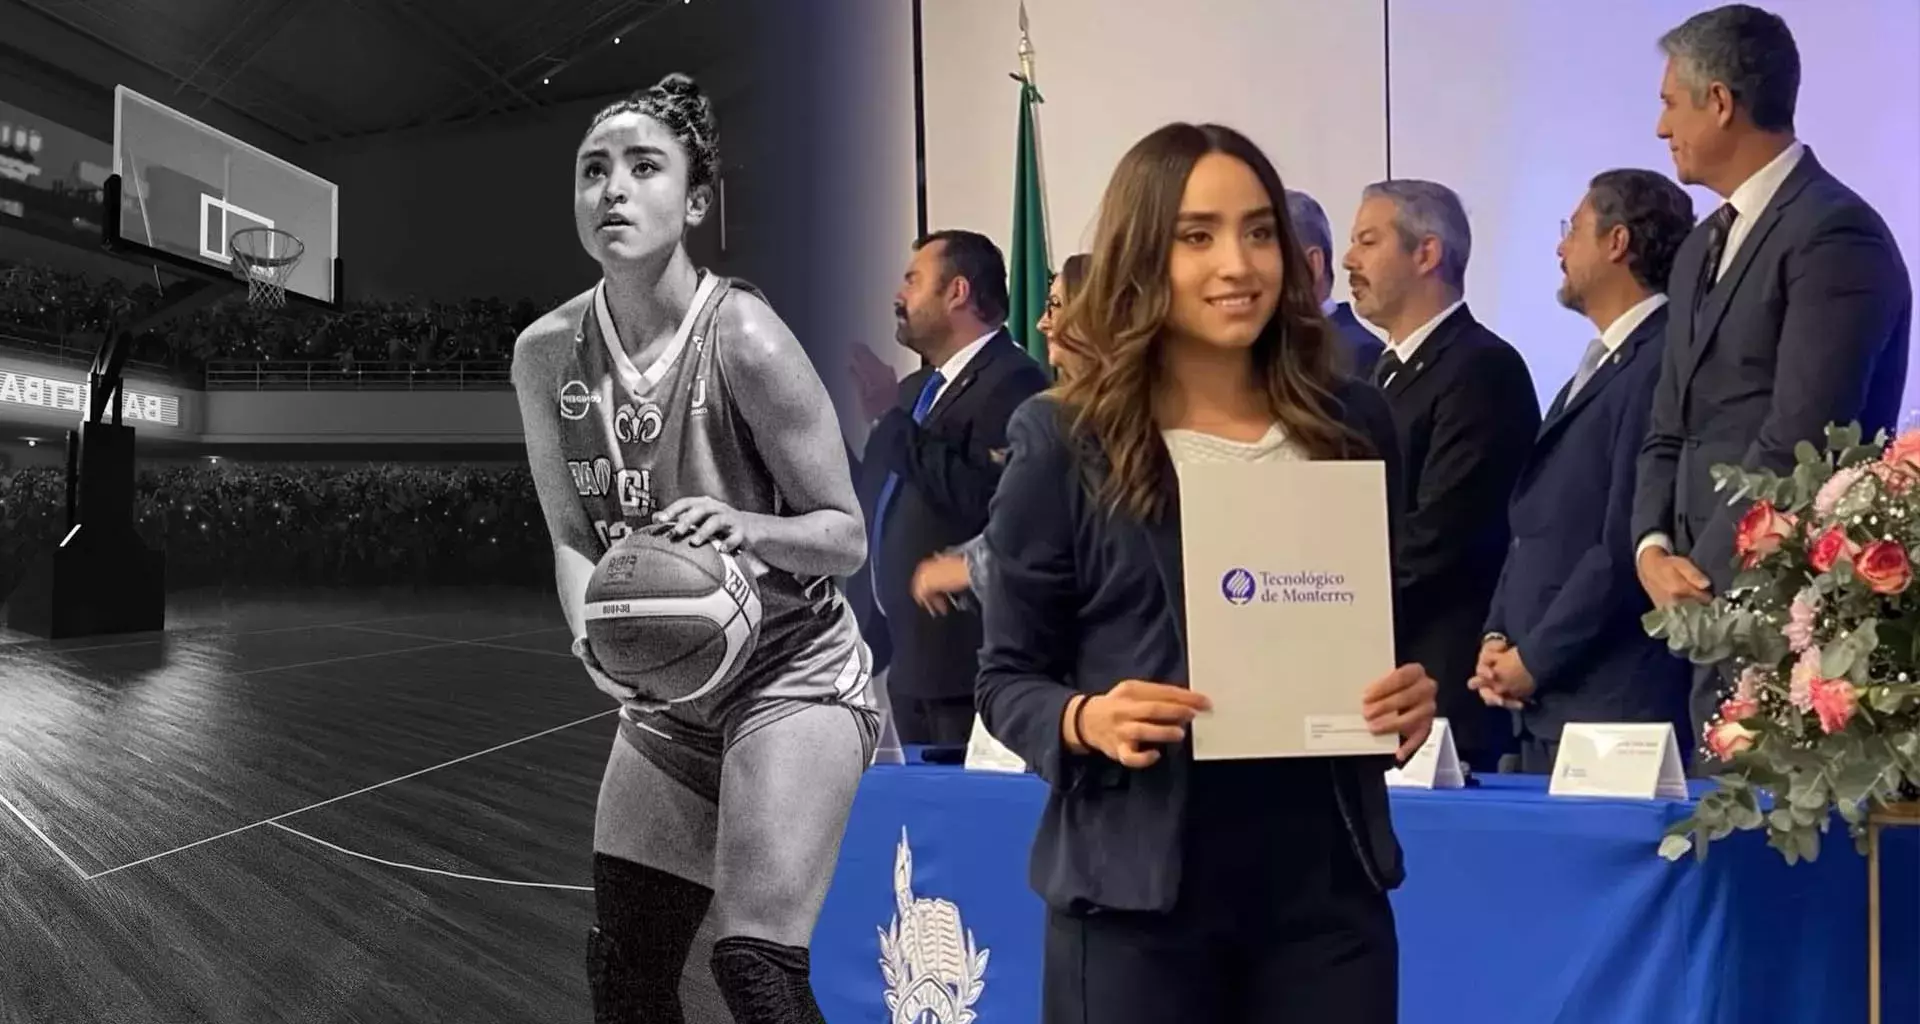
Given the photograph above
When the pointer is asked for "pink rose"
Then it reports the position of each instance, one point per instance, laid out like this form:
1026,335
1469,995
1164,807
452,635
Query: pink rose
1831,547
1904,452
1760,533
1727,739
1834,489
1738,709
1884,567
1834,700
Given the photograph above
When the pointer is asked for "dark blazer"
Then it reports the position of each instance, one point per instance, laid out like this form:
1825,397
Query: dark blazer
1809,326
1082,594
1363,345
1467,414
1569,597
949,466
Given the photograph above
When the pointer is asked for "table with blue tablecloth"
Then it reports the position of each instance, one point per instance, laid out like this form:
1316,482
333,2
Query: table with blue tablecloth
1519,908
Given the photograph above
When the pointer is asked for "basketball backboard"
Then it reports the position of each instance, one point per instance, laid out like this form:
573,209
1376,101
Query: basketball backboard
184,189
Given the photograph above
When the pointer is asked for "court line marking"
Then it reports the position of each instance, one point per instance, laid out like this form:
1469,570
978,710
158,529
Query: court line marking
428,870
435,645
483,642
357,792
51,845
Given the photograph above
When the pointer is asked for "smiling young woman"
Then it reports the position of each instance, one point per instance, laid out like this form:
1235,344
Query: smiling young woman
1217,891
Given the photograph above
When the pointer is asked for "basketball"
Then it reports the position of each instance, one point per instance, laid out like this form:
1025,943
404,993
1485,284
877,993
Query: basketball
672,620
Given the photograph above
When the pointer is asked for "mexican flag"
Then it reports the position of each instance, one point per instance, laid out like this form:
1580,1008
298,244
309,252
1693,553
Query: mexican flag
1028,270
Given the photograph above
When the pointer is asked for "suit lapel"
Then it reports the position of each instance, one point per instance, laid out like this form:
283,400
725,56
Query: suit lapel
1609,368
959,385
1429,352
1713,306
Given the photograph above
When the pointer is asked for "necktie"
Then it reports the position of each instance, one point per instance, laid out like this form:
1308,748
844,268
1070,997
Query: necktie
1719,225
1589,365
1389,365
921,406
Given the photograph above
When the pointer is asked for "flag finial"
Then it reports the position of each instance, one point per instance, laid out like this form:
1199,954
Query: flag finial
1026,48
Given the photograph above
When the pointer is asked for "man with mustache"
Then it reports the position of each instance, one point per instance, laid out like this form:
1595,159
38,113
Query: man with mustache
931,465
1563,640
1464,403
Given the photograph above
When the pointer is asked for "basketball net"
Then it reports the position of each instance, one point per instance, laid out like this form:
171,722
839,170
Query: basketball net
265,258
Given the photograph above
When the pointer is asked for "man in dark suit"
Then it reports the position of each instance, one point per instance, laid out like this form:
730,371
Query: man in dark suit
1791,306
1464,403
1563,638
931,466
1316,237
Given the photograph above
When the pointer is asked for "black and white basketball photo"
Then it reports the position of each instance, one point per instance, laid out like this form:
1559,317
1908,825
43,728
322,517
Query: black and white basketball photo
423,520
959,512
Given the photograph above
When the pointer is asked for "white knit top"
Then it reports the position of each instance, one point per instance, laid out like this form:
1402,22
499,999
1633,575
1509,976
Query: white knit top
1187,447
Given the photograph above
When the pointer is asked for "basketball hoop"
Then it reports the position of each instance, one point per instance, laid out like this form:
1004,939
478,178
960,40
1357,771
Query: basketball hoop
265,258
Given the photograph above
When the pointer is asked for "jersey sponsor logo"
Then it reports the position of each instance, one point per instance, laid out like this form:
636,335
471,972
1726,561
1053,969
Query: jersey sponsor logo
933,968
638,423
575,400
699,406
592,478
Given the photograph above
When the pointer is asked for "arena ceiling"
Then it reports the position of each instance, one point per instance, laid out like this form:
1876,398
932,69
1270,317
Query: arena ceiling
319,71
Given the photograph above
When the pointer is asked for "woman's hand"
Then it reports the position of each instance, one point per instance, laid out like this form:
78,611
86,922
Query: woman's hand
708,519
1401,704
1130,722
935,578
607,684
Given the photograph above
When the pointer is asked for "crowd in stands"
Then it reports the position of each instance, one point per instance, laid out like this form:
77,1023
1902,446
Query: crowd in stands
48,304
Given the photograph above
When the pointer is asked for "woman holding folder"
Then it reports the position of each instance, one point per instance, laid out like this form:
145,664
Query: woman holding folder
1219,891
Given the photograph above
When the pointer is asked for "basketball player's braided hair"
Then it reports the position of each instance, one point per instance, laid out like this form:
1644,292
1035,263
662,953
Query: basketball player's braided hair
677,102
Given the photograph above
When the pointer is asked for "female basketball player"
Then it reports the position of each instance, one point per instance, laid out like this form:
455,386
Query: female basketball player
941,577
1232,892
668,395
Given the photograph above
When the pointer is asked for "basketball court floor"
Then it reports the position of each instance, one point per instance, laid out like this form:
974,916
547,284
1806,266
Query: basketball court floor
329,806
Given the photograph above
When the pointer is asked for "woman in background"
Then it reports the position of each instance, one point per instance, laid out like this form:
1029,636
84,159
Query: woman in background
942,580
1232,892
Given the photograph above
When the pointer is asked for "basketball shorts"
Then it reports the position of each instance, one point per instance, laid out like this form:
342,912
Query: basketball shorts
689,742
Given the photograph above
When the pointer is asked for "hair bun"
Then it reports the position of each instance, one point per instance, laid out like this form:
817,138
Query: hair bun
679,86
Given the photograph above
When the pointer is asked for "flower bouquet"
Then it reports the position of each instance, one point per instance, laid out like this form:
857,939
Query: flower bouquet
1821,633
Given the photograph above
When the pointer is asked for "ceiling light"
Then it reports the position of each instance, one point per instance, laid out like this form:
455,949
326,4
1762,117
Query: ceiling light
616,40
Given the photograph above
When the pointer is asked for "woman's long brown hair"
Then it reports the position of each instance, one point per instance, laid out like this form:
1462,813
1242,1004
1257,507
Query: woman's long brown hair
1121,311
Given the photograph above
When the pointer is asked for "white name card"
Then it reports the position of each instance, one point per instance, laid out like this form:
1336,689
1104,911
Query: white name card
987,754
1634,761
1436,765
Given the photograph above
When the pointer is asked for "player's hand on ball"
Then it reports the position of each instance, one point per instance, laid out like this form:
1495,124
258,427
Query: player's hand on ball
707,520
607,684
1132,721
1401,703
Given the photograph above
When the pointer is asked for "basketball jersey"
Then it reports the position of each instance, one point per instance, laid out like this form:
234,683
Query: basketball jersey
638,439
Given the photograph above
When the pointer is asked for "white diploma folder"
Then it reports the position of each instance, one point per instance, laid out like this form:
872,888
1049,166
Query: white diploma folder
1289,593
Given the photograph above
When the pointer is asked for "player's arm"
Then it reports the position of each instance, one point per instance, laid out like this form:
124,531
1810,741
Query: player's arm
791,417
535,384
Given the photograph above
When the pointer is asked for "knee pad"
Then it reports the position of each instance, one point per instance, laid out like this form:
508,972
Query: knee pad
646,923
765,982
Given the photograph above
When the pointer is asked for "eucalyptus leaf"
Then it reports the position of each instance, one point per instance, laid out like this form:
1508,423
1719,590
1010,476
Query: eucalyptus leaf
1675,847
1804,452
1836,659
1808,842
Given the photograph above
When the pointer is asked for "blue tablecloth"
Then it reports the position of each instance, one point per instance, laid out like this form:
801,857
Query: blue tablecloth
1517,908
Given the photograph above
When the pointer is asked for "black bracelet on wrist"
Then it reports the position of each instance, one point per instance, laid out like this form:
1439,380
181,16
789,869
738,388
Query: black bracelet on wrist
1079,710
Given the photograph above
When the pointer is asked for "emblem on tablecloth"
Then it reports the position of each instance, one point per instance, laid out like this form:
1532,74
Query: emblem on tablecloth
933,970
